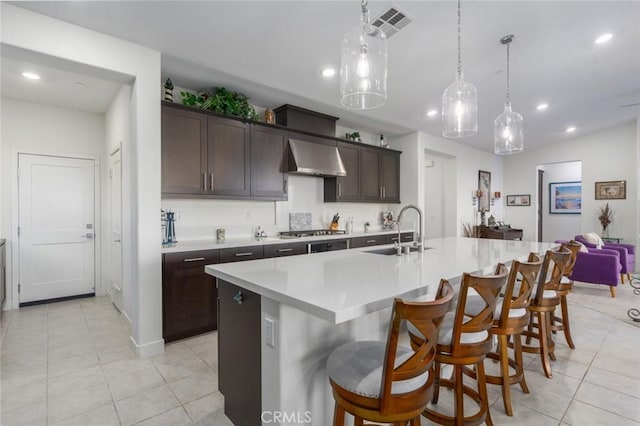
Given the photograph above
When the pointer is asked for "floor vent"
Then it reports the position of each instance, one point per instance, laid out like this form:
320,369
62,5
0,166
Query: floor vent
391,20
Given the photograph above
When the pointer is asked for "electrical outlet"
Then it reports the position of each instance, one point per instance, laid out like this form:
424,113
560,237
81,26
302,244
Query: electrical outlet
269,331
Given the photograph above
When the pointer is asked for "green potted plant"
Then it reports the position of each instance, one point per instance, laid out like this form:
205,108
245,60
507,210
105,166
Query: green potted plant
222,101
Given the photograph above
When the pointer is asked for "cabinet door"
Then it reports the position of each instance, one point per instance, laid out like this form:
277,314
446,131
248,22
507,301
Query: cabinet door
238,254
390,177
349,186
288,249
372,240
189,295
184,151
370,171
228,156
268,177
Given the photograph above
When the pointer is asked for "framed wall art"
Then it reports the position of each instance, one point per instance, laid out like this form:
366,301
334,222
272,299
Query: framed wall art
519,200
484,186
614,190
565,197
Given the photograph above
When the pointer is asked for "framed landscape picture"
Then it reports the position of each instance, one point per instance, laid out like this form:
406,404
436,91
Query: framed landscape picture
614,190
484,185
565,197
518,200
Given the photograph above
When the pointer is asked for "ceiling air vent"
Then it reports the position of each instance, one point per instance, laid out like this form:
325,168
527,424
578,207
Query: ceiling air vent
391,20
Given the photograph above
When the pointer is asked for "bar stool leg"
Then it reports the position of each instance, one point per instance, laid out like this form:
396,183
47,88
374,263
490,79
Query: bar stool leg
436,383
338,415
565,321
517,344
459,395
482,390
544,342
504,371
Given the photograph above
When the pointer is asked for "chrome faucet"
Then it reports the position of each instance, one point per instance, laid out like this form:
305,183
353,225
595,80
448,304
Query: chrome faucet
417,243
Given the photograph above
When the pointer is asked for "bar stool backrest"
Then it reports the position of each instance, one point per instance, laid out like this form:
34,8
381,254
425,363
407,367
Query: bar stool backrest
426,317
574,247
526,274
553,266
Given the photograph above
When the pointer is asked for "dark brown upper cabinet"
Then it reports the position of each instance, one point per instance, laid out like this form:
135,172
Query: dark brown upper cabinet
184,151
380,171
345,188
268,167
228,158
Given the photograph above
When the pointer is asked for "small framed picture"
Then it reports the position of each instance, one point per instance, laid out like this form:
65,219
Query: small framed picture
484,186
565,197
614,190
518,200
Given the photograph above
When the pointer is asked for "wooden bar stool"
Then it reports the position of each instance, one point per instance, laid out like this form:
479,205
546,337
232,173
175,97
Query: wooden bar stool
465,340
387,382
565,287
542,306
510,319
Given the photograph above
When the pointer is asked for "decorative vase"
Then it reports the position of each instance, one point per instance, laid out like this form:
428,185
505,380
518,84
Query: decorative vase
605,232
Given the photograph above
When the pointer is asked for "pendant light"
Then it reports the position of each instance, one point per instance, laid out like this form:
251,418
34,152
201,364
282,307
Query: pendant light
459,103
363,65
508,129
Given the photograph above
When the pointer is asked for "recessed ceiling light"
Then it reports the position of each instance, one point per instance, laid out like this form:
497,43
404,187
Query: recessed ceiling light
31,75
328,72
604,38
571,129
542,107
432,113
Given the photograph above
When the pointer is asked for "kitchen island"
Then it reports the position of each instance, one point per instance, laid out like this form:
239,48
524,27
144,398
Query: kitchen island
279,319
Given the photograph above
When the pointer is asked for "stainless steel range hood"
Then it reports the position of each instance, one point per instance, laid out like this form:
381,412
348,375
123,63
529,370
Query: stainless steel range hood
308,158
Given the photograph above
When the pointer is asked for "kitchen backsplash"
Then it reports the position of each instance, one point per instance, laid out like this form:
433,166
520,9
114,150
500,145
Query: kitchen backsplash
199,219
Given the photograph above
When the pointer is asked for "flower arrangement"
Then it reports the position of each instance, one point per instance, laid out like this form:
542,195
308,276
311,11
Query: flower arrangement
605,216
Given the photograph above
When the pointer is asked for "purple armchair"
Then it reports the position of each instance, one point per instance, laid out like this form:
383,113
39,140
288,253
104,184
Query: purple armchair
597,267
627,254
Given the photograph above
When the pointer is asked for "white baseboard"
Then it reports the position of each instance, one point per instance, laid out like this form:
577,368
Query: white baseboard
147,349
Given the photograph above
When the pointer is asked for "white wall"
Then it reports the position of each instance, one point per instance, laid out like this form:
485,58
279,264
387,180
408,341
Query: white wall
48,130
463,166
118,133
559,226
607,155
439,209
199,219
108,55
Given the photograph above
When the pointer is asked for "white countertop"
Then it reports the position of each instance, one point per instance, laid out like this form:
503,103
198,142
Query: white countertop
342,285
182,246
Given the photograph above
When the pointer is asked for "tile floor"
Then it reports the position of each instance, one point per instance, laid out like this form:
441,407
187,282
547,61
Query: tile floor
70,363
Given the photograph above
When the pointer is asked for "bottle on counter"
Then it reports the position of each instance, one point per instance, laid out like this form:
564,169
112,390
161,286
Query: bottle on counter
383,142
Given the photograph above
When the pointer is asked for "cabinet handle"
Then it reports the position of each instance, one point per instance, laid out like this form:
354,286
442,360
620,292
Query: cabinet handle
384,192
204,182
243,254
211,186
370,241
284,250
339,190
380,192
394,238
238,298
193,259
284,186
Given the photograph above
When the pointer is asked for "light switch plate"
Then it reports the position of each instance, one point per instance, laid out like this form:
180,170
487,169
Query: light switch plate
269,331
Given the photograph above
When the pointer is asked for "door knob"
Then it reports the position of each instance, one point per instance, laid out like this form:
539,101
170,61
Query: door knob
238,298
88,235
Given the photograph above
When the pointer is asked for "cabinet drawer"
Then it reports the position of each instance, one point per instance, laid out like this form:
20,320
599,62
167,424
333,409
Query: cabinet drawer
404,237
279,250
238,254
373,240
191,258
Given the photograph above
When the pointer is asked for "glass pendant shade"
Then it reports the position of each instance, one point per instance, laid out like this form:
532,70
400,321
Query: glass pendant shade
460,109
363,67
508,131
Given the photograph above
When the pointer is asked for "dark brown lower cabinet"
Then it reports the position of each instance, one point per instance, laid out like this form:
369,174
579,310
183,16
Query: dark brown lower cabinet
189,295
239,354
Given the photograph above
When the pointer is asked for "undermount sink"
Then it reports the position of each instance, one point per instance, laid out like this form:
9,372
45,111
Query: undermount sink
392,250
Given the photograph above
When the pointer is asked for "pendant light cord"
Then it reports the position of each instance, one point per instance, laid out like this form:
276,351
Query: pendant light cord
459,48
508,100
365,11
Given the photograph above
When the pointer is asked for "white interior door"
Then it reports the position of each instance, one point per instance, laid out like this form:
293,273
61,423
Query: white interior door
115,274
56,198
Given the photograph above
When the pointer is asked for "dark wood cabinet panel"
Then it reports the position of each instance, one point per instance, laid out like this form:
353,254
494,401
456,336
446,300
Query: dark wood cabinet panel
228,156
345,188
370,171
404,237
500,233
184,151
390,177
268,168
189,295
239,354
280,250
373,240
237,254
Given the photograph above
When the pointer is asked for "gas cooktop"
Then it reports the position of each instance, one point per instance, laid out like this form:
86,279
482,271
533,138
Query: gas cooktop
310,233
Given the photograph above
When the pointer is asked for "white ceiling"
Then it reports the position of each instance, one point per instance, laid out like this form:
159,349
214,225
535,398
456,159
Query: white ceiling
274,52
